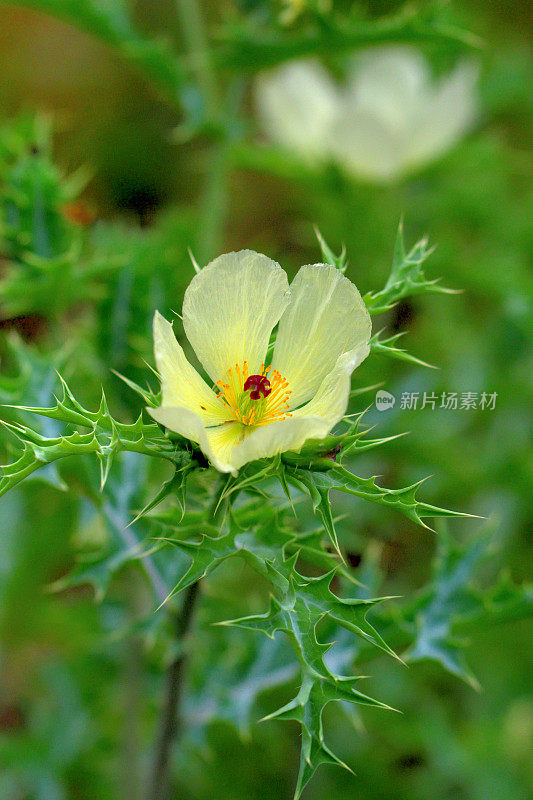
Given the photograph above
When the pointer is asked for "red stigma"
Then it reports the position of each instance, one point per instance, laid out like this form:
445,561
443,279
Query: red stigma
258,386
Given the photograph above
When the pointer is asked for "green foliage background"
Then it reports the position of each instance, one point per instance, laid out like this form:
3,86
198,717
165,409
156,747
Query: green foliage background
107,102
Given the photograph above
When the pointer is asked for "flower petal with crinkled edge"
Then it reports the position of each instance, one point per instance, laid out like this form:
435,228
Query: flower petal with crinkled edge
331,400
181,385
278,437
230,309
326,317
228,447
215,442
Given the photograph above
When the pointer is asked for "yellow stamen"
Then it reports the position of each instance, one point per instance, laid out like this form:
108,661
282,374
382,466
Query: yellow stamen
254,413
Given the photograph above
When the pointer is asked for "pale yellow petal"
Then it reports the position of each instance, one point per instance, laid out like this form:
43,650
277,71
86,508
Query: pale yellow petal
326,317
181,385
230,309
331,400
215,442
222,440
314,420
278,437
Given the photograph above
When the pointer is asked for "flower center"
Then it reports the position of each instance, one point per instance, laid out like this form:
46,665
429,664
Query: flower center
255,399
258,386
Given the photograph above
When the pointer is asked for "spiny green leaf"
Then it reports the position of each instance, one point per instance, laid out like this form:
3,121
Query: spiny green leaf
315,601
435,622
340,262
34,380
320,499
348,613
151,398
206,554
106,437
297,612
315,472
355,439
259,533
250,475
387,347
363,389
307,708
39,451
404,500
406,277
319,455
175,486
357,444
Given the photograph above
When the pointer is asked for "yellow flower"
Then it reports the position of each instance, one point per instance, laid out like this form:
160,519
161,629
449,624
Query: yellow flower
253,410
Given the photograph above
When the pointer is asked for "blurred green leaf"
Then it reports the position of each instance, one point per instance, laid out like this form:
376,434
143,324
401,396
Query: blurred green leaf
452,601
249,46
125,540
112,22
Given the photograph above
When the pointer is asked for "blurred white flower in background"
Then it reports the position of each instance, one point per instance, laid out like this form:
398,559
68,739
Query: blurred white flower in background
390,117
299,106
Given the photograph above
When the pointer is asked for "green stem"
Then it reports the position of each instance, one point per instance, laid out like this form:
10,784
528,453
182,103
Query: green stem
133,696
214,201
171,723
197,44
255,51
